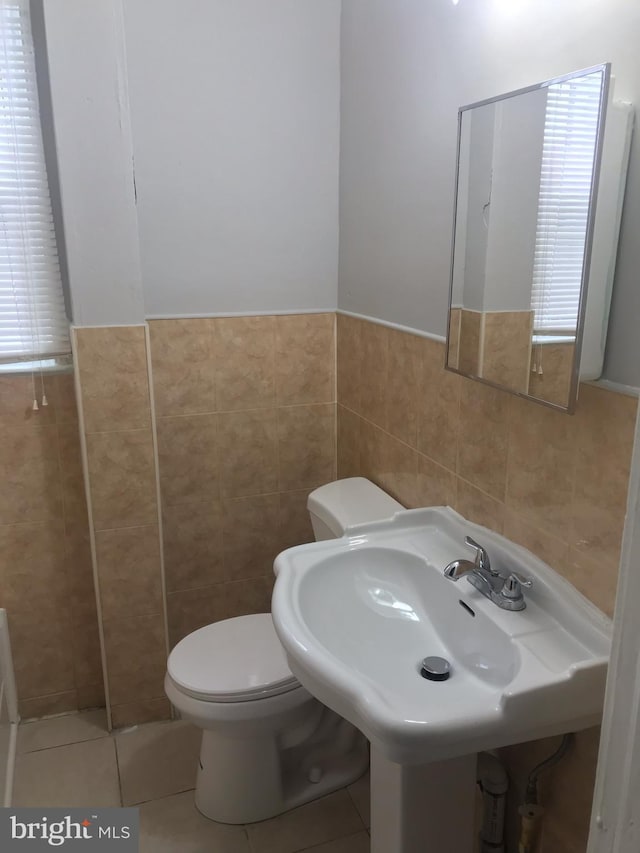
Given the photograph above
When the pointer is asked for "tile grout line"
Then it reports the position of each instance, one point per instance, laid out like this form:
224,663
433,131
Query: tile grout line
353,802
215,352
92,531
422,454
118,774
66,529
119,431
277,423
128,527
210,413
106,735
332,841
409,446
61,745
139,803
156,463
227,582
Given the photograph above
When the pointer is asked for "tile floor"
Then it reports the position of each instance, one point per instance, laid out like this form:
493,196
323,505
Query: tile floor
73,761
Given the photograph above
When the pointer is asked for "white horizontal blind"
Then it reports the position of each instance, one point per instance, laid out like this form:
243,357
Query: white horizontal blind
33,322
571,126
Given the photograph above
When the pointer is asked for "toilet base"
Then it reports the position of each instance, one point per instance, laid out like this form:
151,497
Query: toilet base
249,779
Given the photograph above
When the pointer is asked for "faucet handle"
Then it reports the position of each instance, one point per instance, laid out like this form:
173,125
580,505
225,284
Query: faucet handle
525,582
514,584
482,558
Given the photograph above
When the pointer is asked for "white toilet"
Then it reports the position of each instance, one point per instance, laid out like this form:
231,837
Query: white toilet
267,744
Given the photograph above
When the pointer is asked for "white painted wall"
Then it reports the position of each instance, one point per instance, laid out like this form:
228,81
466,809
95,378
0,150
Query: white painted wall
93,143
407,65
462,214
198,152
481,124
517,164
235,116
497,212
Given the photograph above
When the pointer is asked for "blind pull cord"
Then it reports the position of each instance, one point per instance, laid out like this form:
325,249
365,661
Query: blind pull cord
35,407
44,402
43,394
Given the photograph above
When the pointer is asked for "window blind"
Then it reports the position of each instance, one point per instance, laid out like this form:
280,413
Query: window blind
571,125
33,323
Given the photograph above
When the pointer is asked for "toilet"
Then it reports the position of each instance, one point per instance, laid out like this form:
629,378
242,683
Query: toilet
267,744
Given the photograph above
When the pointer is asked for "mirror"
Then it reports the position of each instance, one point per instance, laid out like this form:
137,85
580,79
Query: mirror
526,182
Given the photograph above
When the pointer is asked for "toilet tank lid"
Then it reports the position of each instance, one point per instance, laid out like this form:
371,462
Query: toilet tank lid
355,500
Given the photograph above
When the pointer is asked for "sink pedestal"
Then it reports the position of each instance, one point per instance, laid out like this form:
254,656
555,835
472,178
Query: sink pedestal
424,808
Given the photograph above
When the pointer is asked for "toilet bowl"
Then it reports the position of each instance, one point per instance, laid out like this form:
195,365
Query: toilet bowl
267,744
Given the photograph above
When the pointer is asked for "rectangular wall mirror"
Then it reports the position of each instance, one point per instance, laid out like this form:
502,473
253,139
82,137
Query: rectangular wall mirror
525,213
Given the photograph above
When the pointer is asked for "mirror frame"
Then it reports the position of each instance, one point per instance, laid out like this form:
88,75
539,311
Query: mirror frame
605,69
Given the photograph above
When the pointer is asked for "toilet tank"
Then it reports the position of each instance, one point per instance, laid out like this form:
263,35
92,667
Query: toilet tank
338,505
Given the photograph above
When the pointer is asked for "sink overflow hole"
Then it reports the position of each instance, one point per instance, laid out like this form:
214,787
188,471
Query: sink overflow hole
466,607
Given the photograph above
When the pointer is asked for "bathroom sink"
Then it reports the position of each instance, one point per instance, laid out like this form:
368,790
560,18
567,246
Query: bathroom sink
357,616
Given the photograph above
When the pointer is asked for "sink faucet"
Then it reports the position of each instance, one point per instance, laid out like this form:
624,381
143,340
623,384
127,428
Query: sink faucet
503,590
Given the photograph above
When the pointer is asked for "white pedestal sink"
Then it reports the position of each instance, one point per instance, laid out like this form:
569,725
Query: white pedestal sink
356,617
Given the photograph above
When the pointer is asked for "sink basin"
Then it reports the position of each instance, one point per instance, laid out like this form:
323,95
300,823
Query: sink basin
357,615
404,614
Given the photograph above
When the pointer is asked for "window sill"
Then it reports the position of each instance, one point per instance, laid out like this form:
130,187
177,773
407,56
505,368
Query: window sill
546,340
57,364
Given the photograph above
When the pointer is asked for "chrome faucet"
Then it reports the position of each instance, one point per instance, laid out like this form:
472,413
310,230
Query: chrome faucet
503,590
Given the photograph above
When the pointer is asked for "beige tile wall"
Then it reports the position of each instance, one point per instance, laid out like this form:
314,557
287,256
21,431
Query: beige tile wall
554,383
470,338
495,345
246,428
246,411
113,377
46,581
506,349
455,321
555,483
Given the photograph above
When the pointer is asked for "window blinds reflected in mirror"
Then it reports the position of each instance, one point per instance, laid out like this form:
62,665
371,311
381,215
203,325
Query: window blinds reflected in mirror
566,175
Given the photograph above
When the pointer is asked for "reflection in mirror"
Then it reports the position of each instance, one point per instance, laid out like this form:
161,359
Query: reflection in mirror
527,173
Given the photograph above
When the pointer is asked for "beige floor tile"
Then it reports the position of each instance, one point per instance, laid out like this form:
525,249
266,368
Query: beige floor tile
315,823
157,760
360,793
174,825
78,774
59,731
358,843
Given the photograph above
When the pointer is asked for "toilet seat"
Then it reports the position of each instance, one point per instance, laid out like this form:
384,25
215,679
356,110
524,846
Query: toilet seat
236,660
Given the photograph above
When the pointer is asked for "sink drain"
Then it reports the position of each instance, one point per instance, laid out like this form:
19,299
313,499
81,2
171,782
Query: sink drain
435,669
